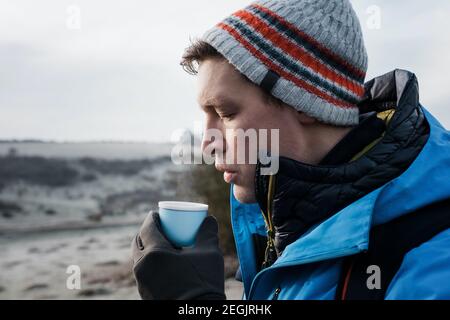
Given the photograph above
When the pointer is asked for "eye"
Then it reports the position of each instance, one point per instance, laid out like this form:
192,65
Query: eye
228,116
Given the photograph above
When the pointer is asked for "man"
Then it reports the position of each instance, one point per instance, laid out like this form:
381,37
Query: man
359,207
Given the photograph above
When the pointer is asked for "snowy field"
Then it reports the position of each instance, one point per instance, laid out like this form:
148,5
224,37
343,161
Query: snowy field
64,204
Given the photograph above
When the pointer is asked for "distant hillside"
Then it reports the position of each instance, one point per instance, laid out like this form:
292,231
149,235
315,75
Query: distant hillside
98,150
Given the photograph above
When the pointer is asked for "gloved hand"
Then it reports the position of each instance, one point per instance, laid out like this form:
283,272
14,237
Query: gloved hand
163,271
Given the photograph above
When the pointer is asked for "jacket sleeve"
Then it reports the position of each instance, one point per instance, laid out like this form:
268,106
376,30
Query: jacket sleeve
424,272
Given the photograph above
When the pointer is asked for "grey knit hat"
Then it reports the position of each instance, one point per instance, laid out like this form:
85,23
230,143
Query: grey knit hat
308,53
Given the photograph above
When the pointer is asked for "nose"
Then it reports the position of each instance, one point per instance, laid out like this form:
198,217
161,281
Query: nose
213,141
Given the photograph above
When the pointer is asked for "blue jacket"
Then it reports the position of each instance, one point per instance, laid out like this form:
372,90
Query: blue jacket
310,267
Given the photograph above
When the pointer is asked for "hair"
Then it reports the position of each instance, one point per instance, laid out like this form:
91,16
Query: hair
200,51
197,52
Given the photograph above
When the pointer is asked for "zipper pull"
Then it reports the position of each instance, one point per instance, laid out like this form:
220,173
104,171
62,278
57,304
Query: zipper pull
277,293
270,255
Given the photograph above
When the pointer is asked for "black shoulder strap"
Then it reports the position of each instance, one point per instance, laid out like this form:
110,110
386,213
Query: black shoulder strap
388,244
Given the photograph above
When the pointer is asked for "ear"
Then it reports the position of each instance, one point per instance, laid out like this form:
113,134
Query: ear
304,119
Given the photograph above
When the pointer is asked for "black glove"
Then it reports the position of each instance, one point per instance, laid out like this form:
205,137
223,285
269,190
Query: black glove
163,271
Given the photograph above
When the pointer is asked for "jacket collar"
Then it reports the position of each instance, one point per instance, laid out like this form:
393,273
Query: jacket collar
370,128
307,195
347,232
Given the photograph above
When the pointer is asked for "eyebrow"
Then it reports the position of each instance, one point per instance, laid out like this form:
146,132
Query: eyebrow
216,102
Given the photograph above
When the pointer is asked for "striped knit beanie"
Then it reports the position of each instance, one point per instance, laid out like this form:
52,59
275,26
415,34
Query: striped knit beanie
308,53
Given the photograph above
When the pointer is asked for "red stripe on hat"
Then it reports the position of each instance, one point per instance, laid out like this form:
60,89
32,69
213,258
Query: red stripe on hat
299,82
311,40
297,52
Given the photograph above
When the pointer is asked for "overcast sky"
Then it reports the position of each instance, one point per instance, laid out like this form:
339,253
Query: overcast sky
116,75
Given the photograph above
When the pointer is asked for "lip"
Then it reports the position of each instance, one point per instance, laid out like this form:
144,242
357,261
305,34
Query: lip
229,176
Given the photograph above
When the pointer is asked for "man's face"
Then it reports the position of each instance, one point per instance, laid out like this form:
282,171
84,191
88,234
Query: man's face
232,102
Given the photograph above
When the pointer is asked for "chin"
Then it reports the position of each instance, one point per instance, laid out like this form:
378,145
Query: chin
244,194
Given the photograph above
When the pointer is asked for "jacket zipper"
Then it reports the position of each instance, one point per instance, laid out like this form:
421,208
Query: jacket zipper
277,293
270,253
